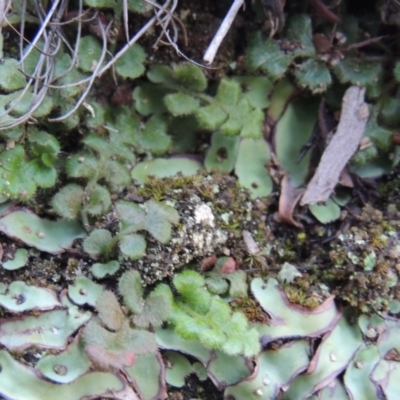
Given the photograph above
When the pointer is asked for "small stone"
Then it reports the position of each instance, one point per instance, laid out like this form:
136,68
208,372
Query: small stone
203,215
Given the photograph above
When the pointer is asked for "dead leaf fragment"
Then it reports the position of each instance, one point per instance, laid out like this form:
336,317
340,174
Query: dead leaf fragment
288,200
344,144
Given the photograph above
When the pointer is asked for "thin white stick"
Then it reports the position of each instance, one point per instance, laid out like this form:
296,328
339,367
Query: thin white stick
222,31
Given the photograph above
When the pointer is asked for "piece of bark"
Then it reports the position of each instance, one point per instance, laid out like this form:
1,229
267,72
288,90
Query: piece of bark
343,145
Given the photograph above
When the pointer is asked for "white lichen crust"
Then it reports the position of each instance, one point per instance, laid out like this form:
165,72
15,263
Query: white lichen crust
198,236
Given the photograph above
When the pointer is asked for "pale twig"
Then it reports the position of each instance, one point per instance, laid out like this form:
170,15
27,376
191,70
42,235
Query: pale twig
42,28
5,5
50,34
175,46
344,144
222,31
75,50
104,33
125,15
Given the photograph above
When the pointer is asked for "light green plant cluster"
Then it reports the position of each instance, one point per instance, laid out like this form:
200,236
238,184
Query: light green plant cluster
154,217
311,67
199,315
24,169
181,91
51,77
114,339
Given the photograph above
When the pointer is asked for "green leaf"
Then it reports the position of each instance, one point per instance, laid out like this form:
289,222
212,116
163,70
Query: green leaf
189,328
282,93
131,64
156,310
14,181
139,6
293,131
48,160
131,216
159,73
101,3
84,291
238,284
149,99
31,61
98,243
43,234
314,75
109,310
237,114
358,71
219,311
178,369
381,137
89,53
228,92
98,200
43,142
267,55
191,77
100,270
10,77
113,349
28,101
43,176
73,360
213,338
154,137
158,220
247,344
116,174
222,152
126,125
163,289
390,111
68,76
82,165
325,213
211,117
217,285
133,246
191,285
19,260
181,104
250,168
68,201
99,115
299,31
165,167
97,143
131,289
253,125
188,278
256,89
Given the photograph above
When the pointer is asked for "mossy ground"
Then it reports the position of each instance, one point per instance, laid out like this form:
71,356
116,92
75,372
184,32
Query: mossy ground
356,259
